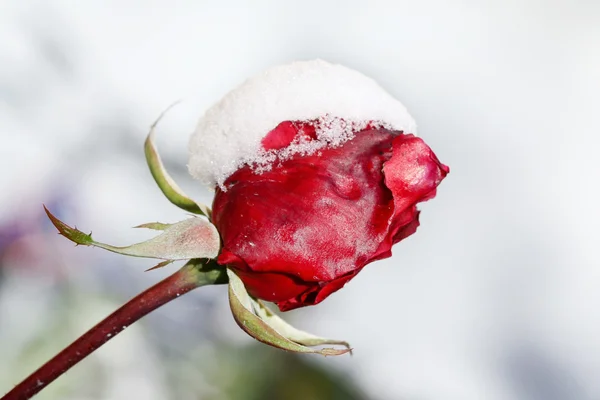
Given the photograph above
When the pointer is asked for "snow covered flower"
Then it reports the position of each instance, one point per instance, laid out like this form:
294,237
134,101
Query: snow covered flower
317,173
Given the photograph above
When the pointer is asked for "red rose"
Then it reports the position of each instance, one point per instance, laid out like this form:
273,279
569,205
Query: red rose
299,211
300,231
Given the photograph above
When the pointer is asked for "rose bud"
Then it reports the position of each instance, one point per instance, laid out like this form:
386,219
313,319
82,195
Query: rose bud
317,174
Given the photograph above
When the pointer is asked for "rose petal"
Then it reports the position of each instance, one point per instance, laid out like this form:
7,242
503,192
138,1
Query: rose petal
299,232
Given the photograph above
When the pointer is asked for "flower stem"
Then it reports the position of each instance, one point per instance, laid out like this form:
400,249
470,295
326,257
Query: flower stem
191,276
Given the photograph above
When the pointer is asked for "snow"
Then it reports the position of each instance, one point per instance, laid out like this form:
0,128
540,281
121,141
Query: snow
341,100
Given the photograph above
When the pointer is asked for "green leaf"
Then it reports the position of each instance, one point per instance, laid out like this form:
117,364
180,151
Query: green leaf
287,330
191,238
157,226
243,307
166,184
73,234
160,265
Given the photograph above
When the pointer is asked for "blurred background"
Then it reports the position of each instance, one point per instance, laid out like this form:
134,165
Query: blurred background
495,297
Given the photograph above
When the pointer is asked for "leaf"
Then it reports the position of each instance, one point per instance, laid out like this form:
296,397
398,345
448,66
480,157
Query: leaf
160,265
244,314
166,184
294,334
191,238
157,226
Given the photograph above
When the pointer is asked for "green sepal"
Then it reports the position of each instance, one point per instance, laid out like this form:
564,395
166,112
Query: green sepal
160,265
167,185
202,272
271,329
157,226
191,238
287,330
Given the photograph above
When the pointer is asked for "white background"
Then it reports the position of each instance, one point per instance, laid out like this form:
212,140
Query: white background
495,297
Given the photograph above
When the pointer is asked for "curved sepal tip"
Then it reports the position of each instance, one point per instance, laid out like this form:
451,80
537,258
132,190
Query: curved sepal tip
263,325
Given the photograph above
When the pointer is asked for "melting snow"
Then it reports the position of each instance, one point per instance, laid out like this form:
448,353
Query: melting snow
340,99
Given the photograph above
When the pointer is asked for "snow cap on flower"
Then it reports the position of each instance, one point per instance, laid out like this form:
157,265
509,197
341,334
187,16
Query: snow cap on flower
342,101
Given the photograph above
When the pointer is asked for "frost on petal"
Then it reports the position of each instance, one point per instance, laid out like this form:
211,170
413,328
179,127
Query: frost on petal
299,232
342,101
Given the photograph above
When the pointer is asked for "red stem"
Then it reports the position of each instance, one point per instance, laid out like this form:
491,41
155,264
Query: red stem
164,291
